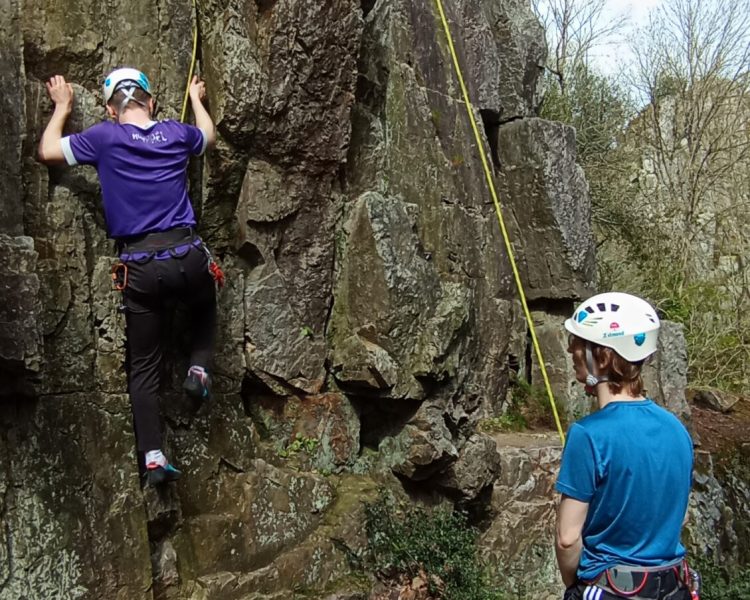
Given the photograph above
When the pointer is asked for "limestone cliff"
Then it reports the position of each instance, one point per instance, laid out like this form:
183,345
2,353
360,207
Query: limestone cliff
369,321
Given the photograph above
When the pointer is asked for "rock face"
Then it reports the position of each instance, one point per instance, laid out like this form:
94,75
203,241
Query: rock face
370,317
666,377
20,334
519,540
551,211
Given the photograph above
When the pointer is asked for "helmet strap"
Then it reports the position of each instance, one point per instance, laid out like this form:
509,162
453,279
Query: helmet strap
592,380
128,97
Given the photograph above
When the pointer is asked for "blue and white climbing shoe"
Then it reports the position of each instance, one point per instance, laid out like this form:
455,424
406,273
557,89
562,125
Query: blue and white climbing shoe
197,384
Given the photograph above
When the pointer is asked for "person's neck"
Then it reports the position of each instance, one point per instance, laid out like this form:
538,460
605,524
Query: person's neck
135,116
604,395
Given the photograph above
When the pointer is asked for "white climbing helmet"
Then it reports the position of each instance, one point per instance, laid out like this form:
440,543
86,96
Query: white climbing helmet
627,324
125,78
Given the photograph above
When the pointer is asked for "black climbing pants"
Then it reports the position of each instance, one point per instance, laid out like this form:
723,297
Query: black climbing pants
153,288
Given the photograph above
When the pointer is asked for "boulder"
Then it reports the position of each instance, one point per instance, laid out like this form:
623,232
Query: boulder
519,541
716,400
478,466
424,446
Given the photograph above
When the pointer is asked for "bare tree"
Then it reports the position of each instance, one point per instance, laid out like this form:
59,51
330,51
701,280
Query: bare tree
692,69
574,28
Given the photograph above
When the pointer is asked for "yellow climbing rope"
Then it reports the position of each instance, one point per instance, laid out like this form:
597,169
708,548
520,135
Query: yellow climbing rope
192,63
500,219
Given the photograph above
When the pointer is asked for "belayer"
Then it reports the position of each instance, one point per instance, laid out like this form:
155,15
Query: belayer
142,167
626,469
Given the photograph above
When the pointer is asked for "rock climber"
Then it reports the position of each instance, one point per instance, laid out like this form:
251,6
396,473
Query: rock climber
626,469
142,167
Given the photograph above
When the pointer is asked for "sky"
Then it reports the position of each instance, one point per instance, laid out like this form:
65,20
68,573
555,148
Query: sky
637,9
608,58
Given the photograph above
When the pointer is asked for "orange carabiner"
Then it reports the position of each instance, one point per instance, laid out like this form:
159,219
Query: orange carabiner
119,276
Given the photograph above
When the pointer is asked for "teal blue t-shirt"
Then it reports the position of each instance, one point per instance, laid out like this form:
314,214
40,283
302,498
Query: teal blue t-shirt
632,463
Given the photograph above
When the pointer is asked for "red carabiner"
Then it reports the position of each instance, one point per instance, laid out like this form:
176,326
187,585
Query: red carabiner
216,273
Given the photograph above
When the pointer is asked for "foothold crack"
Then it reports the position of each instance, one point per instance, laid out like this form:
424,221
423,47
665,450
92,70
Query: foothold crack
225,462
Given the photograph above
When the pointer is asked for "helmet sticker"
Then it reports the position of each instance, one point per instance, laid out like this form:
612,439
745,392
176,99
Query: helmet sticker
591,322
614,326
143,83
639,339
581,316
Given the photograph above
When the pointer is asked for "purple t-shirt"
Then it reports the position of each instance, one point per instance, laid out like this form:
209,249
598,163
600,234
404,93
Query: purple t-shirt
142,172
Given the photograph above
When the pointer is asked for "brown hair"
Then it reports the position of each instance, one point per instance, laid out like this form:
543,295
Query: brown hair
622,374
116,100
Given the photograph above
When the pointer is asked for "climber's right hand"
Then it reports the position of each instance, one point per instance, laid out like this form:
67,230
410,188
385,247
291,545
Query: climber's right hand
60,92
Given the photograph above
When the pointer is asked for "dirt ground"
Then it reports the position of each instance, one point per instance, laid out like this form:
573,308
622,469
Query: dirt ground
717,431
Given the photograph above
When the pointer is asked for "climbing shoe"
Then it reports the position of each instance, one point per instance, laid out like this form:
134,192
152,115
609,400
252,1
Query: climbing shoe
197,384
157,474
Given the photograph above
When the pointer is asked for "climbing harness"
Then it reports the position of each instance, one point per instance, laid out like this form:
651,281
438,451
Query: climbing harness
192,63
628,581
501,221
161,245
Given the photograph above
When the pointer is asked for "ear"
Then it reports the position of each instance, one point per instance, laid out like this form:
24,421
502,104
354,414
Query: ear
603,357
151,106
111,111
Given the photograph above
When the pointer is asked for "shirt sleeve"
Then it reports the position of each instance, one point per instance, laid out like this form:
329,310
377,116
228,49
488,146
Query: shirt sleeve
84,148
196,139
578,468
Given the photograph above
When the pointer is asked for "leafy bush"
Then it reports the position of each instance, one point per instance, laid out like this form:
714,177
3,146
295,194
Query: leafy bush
719,585
439,543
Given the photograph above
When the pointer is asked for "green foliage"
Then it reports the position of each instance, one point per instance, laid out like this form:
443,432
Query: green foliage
510,421
439,542
300,443
528,408
595,105
718,584
717,335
